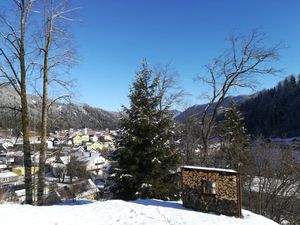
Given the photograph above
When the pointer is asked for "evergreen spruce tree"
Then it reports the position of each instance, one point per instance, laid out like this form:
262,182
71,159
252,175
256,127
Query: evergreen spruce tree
235,141
146,158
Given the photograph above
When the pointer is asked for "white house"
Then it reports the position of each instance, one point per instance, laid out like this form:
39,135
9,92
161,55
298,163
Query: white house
7,158
49,144
8,177
7,144
94,161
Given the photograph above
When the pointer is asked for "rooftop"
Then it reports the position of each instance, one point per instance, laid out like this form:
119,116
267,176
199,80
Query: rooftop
209,169
8,174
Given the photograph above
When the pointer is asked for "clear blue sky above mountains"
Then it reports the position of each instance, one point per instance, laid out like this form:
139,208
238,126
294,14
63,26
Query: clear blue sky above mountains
115,35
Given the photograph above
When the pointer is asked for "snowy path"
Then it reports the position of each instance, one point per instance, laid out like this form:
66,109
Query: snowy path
141,212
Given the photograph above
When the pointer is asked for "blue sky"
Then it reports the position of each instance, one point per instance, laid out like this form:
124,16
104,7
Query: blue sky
115,35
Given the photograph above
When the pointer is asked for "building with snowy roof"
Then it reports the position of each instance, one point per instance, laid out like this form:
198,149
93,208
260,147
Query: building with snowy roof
211,190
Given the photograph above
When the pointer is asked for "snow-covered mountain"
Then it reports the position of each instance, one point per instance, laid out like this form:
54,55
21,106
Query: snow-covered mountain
140,212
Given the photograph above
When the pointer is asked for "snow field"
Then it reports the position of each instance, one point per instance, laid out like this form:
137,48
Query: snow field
140,212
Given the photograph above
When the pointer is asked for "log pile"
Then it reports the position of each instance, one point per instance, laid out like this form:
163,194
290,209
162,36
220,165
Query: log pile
226,184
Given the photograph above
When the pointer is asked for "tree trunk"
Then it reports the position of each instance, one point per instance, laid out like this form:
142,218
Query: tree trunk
25,118
26,146
44,122
43,146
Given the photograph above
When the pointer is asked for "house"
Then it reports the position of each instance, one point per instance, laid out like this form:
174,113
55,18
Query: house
107,137
21,170
85,189
59,170
2,167
8,178
94,146
93,136
109,145
7,158
84,131
85,138
64,159
77,140
14,192
59,166
68,142
57,141
7,144
49,144
93,160
211,190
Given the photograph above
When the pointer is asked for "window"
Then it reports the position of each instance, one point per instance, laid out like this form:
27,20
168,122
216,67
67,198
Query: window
209,187
4,179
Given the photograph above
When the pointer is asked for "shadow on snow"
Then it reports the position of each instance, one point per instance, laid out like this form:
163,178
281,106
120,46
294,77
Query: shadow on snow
77,202
160,203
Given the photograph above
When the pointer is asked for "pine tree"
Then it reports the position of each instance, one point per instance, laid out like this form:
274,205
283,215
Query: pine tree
145,159
235,141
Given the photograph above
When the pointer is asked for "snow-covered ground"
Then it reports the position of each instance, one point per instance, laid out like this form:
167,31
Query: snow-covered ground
140,212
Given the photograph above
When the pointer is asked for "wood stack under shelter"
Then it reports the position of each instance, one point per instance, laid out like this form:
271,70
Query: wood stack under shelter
211,190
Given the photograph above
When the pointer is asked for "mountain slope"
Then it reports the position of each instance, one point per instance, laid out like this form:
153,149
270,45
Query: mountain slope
276,111
272,113
146,212
197,110
61,116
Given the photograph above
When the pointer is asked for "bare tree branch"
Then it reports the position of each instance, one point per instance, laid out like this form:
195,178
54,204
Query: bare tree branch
236,68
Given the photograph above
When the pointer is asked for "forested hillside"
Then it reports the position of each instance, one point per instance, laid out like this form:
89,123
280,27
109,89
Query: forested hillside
61,115
197,110
274,112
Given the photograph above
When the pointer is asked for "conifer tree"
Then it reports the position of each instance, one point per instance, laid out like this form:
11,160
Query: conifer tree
235,141
146,158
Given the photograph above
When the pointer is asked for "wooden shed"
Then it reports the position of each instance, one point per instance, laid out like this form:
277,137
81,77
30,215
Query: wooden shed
211,190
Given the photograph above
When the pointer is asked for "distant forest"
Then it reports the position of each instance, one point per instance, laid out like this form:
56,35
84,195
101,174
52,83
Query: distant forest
276,111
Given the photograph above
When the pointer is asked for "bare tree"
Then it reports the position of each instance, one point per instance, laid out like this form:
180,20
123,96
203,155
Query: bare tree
77,168
57,52
188,133
237,67
168,90
274,187
14,68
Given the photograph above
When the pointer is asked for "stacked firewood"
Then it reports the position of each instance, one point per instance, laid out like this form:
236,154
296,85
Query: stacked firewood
227,187
225,184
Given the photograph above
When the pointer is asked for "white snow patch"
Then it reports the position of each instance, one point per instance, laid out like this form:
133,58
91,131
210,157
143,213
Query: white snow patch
140,212
155,160
209,169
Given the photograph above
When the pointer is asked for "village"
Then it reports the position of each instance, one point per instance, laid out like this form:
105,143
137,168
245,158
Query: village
77,164
149,112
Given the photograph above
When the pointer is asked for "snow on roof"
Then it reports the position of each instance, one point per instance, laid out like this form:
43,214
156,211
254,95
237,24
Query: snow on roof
209,169
8,174
65,159
3,166
20,192
89,156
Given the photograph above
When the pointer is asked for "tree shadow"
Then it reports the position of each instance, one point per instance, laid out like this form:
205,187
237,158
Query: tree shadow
77,202
160,203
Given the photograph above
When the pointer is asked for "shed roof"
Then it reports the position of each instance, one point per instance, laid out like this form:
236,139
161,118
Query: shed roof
209,169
